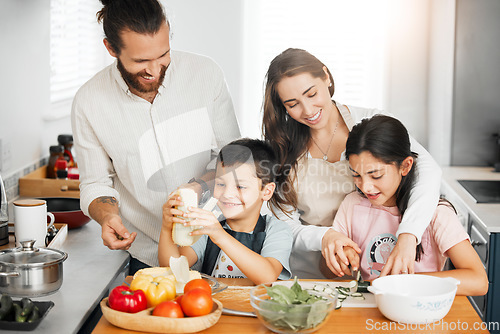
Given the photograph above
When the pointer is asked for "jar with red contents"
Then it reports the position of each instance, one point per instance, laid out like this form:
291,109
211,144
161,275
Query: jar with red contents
67,142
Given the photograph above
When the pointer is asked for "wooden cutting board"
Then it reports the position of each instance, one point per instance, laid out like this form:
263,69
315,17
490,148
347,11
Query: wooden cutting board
236,298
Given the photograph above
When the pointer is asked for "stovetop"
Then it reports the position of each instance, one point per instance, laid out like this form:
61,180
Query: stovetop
483,191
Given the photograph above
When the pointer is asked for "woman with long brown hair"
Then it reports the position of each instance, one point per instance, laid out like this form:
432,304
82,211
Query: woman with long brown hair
308,130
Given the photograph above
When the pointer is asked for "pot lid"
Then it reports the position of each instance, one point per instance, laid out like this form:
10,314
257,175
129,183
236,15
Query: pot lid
29,255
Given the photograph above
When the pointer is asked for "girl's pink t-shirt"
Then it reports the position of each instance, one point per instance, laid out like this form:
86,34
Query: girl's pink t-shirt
374,228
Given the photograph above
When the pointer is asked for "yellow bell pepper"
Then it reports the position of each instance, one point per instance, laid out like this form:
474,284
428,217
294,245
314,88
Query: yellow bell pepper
157,289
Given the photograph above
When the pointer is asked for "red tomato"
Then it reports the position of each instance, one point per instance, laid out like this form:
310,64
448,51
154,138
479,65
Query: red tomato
178,299
169,309
199,283
196,302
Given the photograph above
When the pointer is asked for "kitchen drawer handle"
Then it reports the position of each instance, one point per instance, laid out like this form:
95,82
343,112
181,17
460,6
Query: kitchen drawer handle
475,243
11,274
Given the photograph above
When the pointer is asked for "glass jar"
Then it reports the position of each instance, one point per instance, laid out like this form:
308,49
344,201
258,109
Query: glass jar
56,153
67,142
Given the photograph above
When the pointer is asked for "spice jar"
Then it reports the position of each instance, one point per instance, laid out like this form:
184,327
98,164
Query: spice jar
56,153
67,142
62,169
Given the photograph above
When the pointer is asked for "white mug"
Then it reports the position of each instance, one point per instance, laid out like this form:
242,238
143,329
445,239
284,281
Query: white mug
30,221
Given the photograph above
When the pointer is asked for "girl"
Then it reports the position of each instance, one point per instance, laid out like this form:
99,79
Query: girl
308,131
383,168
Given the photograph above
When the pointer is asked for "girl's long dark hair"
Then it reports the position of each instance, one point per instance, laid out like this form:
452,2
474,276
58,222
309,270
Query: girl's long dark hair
387,139
287,137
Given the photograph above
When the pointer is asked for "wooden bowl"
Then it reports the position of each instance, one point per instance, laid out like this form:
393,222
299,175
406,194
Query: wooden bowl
145,322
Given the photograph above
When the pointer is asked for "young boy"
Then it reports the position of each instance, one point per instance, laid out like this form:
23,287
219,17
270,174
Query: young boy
245,244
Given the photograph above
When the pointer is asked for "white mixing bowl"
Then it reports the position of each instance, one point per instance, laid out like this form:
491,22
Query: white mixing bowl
414,299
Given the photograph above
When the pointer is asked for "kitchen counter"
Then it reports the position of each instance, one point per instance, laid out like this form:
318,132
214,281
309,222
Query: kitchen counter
486,214
90,270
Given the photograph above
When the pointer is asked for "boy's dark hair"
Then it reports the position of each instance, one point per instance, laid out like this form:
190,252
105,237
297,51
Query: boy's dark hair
387,139
140,16
260,153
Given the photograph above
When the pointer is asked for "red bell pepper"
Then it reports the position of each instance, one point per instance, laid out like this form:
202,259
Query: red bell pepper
123,299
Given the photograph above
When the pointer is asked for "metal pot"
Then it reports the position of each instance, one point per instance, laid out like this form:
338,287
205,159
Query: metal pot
27,271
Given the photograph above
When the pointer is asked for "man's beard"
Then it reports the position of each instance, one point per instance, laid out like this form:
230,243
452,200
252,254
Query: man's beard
133,82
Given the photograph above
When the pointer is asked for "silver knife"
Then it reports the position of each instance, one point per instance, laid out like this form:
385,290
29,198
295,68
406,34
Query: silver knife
228,311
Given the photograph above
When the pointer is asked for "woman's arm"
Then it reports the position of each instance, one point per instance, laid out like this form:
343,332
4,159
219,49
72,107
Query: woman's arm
469,270
326,239
422,203
306,237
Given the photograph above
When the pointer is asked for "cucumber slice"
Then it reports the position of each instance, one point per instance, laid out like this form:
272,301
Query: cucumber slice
353,286
342,292
328,290
339,305
357,294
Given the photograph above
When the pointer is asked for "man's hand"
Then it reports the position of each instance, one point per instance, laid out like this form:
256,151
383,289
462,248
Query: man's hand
332,248
104,210
114,234
402,258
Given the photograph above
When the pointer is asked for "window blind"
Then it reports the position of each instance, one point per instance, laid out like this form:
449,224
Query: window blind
76,50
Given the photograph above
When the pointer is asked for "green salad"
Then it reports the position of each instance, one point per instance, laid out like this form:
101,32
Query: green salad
294,308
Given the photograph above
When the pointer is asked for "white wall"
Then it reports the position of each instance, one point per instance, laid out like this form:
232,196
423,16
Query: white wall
407,65
440,84
24,88
213,28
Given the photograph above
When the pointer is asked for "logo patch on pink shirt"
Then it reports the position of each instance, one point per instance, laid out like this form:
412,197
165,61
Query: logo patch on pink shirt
378,250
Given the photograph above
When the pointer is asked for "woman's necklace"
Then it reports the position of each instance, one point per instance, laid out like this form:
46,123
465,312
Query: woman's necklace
325,154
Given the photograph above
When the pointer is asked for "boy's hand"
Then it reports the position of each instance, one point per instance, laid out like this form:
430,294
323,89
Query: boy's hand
170,212
207,219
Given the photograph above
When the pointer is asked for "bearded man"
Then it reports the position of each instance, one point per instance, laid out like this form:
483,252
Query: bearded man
145,125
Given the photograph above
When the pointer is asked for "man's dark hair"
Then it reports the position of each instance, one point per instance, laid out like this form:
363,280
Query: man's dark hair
140,16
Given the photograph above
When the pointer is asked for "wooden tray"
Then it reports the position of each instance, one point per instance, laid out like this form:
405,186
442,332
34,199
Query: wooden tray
56,243
36,184
145,322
